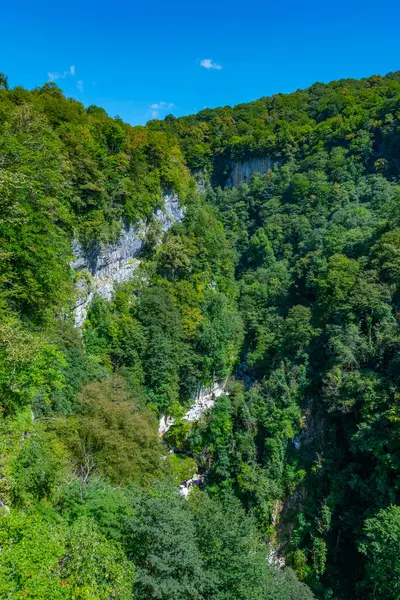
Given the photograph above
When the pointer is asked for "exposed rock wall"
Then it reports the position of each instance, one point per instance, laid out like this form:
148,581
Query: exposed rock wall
203,400
242,171
116,262
185,487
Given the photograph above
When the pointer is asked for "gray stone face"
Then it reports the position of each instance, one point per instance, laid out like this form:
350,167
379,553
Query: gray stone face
243,170
116,262
187,486
203,401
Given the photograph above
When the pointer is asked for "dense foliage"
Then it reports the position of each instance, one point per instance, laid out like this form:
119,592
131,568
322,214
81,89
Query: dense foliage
287,285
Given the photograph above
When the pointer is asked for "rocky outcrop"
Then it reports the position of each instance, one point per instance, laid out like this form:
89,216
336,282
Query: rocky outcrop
202,180
101,268
241,171
164,424
4,509
203,401
185,487
274,559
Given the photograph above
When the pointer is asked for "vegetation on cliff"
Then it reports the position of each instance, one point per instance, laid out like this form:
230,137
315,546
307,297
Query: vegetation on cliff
289,283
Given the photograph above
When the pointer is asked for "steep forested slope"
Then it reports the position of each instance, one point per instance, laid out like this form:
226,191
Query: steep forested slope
289,283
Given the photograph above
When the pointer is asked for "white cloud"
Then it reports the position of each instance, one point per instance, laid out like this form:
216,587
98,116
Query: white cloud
208,63
79,85
159,107
162,106
53,76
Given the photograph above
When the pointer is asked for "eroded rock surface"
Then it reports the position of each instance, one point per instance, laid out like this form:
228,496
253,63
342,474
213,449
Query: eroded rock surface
185,487
204,400
103,267
243,170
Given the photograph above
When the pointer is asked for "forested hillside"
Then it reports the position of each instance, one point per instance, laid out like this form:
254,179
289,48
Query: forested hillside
286,288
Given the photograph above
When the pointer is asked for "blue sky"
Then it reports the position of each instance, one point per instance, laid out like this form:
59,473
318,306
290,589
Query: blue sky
153,58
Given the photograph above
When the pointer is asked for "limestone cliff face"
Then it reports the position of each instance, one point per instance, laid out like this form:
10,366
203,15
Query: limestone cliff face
115,263
203,400
242,171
